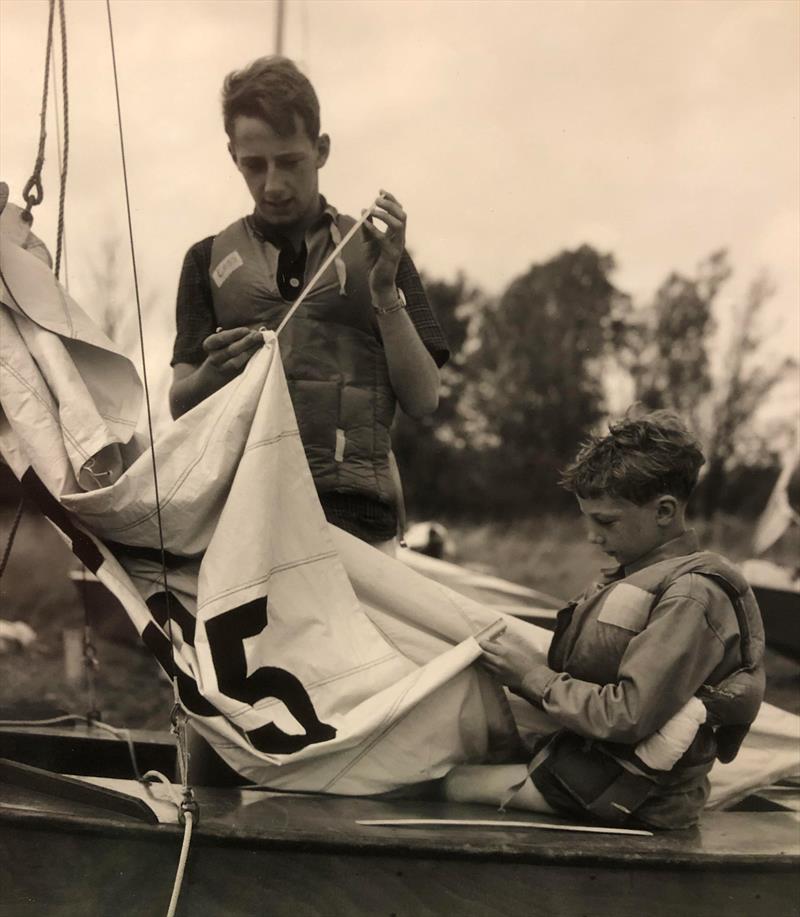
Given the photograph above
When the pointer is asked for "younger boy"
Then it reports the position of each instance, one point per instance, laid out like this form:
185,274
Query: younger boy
667,623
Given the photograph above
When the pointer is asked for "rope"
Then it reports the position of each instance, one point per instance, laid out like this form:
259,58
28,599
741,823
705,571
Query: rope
60,163
186,812
188,824
325,265
11,536
34,183
151,776
117,731
65,99
176,888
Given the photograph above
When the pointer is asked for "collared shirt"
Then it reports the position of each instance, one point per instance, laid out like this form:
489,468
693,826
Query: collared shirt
291,267
620,670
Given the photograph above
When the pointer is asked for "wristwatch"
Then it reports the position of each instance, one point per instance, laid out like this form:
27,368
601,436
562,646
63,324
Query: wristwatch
396,306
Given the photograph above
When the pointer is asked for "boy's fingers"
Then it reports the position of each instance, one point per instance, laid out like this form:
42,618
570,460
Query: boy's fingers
221,339
486,642
241,346
372,230
388,197
491,658
237,362
394,217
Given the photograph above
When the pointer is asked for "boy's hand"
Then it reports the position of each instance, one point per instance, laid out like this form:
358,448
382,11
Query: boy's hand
385,248
506,660
228,351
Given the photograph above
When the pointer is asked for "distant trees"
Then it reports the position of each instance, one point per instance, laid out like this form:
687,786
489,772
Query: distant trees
525,387
744,387
669,361
526,382
535,374
667,346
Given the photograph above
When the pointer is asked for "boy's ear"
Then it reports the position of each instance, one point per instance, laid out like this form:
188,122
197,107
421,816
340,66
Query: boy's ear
666,509
323,149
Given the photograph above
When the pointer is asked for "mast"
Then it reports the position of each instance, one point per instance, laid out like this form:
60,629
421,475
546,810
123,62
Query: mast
279,16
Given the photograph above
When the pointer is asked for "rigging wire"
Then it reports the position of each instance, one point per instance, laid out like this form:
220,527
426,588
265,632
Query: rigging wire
188,810
141,345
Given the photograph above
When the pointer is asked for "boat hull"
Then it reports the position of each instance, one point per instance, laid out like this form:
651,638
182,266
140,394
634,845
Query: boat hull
256,852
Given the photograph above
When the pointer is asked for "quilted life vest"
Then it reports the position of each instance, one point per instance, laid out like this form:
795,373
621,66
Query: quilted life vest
332,355
614,793
733,701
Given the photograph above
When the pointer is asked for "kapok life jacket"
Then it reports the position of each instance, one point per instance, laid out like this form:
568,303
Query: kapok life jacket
734,700
332,355
732,703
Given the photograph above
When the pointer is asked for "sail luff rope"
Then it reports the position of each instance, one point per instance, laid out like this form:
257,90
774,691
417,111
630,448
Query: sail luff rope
325,265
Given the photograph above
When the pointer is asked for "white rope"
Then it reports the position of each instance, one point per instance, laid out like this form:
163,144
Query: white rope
325,265
176,888
58,151
117,731
188,824
150,776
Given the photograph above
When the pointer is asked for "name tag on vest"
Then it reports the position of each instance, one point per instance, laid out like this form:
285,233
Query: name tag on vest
226,267
627,606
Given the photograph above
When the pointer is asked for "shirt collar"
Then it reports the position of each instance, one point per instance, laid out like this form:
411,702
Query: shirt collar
266,232
685,543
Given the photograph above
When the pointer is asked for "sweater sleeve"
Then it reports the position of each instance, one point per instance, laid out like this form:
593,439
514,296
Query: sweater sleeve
662,667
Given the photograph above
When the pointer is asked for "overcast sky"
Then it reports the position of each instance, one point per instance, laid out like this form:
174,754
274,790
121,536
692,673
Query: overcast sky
659,131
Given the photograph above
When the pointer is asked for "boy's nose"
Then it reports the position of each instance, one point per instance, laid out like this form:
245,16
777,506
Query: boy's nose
273,184
595,538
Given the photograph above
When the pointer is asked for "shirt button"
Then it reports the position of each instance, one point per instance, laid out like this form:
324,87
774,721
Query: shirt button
294,282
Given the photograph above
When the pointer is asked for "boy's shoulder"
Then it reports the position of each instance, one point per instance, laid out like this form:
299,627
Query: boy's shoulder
707,564
704,578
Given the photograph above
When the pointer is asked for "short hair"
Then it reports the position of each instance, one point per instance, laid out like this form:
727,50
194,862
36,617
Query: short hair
274,90
639,459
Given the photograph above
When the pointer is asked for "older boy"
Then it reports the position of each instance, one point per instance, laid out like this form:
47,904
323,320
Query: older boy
667,623
362,342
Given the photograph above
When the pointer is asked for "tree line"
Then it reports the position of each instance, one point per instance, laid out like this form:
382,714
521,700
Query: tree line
531,372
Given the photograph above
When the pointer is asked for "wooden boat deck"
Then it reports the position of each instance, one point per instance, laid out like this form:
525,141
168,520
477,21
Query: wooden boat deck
279,854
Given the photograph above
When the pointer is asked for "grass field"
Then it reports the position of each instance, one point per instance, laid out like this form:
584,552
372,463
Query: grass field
550,554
